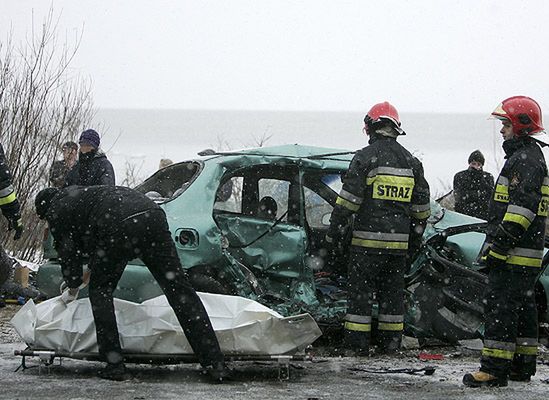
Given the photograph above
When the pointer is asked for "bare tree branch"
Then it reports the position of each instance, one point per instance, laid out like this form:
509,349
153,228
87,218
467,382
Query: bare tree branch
41,106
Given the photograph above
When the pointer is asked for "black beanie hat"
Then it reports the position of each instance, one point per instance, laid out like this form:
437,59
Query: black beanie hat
43,200
476,156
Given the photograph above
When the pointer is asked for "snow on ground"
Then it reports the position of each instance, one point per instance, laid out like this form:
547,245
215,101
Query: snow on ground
324,378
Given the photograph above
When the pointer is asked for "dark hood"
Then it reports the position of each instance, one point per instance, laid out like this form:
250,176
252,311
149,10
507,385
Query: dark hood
43,201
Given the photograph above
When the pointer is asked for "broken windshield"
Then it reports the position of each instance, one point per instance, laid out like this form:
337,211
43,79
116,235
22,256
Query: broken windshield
170,182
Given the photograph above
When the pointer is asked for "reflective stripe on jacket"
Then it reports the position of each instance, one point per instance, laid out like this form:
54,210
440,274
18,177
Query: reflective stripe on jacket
519,205
386,189
8,199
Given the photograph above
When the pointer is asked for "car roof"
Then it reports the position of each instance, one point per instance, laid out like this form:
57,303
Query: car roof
290,151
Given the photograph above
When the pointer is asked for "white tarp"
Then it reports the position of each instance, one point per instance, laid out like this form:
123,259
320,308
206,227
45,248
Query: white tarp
242,326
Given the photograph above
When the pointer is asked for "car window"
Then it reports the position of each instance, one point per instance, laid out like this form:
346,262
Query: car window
333,181
273,198
171,181
315,208
229,196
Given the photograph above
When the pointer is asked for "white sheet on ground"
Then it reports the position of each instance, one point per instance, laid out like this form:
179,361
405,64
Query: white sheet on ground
242,326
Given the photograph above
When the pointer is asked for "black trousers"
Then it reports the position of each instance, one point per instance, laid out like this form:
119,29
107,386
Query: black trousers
375,278
147,237
511,328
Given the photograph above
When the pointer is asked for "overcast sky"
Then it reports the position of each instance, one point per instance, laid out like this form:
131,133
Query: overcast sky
443,56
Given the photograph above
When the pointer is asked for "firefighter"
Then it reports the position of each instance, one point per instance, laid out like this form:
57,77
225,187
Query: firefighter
388,195
513,250
11,211
113,225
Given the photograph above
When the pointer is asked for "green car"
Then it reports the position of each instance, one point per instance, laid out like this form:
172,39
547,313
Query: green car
252,223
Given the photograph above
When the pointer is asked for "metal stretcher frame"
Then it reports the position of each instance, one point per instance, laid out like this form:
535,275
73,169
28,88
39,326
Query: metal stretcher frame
47,357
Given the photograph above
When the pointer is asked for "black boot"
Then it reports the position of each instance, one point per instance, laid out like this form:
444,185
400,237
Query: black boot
519,377
356,344
218,373
115,372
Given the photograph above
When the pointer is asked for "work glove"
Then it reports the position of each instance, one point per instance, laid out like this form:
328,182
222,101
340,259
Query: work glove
69,295
14,223
495,257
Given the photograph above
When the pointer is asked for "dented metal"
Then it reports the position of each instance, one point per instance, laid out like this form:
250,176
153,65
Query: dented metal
230,246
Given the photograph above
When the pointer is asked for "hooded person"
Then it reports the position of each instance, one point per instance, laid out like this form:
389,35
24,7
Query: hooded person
113,225
92,167
473,188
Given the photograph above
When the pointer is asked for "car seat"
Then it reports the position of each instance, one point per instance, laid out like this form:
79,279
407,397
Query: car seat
267,208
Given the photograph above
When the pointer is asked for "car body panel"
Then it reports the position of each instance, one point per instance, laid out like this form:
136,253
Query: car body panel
211,207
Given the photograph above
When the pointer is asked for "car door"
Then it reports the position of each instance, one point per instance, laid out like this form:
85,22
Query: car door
270,242
320,189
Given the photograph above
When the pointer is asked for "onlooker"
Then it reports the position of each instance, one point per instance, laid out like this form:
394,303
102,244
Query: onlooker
473,188
164,162
114,225
93,167
60,168
387,192
11,211
514,248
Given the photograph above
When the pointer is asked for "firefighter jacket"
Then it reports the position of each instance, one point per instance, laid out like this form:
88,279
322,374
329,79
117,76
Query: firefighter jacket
8,199
519,206
386,190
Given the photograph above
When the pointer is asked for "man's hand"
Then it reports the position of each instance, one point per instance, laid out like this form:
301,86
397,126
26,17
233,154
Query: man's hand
69,295
14,223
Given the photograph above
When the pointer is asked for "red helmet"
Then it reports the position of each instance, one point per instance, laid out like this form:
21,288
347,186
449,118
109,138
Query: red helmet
383,111
523,112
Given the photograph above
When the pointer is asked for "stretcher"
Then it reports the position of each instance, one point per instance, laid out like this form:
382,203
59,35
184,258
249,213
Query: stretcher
150,333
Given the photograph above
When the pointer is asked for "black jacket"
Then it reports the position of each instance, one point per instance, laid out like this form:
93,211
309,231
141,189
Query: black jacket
81,218
519,206
386,189
8,199
92,168
472,192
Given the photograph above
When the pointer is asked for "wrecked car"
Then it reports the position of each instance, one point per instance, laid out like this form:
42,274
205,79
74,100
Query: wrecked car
252,223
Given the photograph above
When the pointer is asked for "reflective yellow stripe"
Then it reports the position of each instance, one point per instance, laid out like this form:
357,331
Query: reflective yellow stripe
501,194
545,189
396,188
497,255
8,199
543,206
505,354
353,326
379,244
347,204
524,261
527,350
390,326
517,219
421,215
